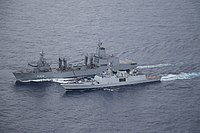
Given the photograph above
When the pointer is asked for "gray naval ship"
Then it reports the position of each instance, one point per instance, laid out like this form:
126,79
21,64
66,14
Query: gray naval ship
94,63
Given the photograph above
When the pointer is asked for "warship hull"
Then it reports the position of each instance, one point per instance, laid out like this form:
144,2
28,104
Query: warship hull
55,74
93,64
90,86
46,76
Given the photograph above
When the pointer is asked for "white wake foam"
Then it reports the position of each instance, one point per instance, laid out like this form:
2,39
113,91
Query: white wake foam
56,80
63,80
36,80
180,76
154,66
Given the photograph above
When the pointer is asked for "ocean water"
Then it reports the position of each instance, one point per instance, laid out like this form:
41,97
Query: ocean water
163,37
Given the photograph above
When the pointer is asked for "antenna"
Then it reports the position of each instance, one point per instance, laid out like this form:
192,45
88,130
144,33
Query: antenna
100,43
42,53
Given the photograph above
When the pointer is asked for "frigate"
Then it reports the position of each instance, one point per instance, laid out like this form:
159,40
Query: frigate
110,79
94,63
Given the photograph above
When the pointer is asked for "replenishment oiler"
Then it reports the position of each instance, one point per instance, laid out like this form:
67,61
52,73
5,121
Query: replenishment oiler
94,63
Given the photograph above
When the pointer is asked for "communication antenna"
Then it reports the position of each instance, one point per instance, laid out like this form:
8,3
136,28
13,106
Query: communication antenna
42,53
100,43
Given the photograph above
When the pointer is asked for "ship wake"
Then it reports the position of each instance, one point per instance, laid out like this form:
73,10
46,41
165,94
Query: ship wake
154,66
56,80
180,76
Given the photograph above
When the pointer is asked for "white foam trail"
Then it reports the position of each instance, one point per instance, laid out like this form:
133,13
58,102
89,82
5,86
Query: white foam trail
36,80
180,76
56,80
107,89
154,66
63,80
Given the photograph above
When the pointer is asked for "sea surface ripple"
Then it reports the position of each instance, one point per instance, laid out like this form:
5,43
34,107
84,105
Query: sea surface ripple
162,36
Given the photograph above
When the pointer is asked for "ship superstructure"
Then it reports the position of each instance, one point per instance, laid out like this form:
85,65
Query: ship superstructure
110,79
94,63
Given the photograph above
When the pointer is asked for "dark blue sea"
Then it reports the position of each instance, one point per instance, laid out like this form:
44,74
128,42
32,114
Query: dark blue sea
162,36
